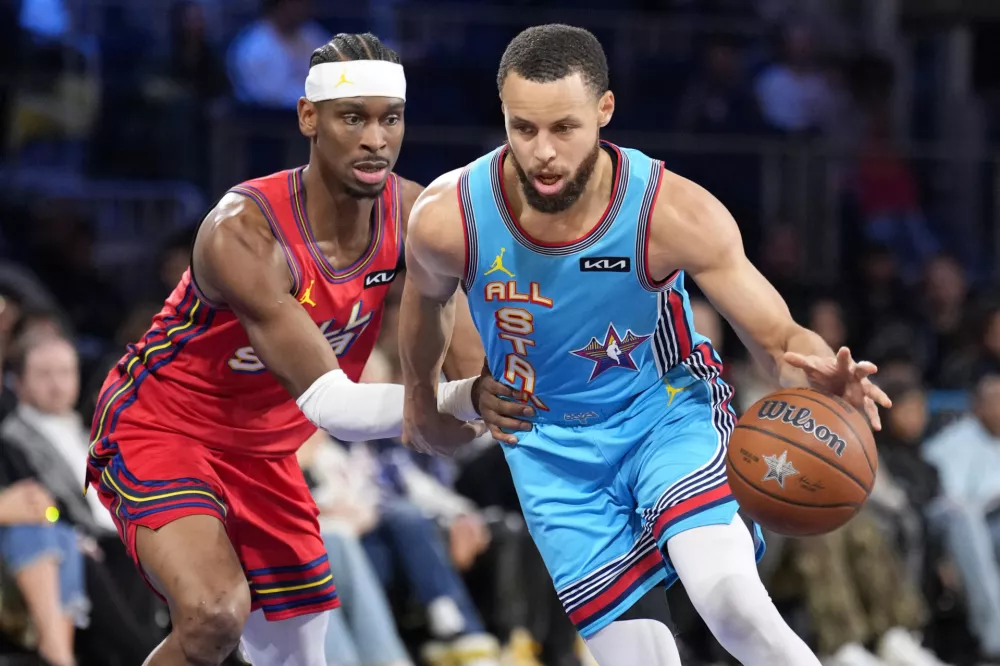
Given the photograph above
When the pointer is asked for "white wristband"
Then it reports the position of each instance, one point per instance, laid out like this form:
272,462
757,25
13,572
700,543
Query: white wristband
455,398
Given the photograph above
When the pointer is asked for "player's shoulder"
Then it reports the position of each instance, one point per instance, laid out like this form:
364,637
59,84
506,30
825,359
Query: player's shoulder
690,222
439,200
435,224
234,241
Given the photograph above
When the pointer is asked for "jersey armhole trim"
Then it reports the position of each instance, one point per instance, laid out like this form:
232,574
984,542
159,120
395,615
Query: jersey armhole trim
258,198
397,218
194,282
467,213
201,295
649,197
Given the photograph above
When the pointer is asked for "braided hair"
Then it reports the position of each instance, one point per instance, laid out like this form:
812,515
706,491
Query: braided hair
347,46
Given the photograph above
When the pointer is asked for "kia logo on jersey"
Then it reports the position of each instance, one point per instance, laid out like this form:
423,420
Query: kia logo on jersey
605,264
379,278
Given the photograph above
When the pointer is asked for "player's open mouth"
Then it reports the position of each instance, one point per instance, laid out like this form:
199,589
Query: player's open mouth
370,173
547,183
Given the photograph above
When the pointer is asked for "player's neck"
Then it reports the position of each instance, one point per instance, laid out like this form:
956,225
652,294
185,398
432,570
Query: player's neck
579,218
333,214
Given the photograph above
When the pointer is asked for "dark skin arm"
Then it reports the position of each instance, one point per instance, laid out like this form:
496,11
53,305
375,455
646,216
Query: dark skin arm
237,261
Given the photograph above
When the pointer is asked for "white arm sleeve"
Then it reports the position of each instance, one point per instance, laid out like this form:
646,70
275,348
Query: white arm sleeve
354,412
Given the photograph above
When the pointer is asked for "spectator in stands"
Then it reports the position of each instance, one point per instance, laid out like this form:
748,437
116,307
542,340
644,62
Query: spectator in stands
907,487
45,439
828,319
857,594
945,296
877,291
46,565
61,250
719,100
794,94
514,592
400,538
888,198
182,91
269,60
46,430
966,455
364,632
959,368
783,263
175,257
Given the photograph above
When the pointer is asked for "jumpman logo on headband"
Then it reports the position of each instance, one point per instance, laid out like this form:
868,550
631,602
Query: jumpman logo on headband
343,80
497,265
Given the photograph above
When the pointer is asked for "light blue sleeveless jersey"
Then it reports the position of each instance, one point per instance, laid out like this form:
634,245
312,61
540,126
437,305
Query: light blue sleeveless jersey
583,327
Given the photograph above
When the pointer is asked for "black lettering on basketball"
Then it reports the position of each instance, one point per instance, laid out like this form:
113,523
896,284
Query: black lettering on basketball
801,418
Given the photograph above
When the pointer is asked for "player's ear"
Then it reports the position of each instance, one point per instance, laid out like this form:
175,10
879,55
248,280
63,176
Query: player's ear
308,118
605,108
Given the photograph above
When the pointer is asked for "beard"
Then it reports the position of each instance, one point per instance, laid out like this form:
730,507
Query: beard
575,185
366,192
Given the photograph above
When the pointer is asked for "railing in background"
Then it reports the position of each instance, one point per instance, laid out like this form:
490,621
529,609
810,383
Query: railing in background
769,181
131,220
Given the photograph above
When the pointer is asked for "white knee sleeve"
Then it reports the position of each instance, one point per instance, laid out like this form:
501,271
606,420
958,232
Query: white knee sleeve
632,642
717,566
298,641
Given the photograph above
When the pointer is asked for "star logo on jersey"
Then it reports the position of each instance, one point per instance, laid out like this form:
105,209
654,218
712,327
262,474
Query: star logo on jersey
614,352
778,468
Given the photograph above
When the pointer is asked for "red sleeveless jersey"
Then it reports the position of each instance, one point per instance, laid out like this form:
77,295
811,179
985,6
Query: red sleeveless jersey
195,372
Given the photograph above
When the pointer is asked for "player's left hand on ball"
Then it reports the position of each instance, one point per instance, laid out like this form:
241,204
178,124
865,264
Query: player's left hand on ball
501,407
843,376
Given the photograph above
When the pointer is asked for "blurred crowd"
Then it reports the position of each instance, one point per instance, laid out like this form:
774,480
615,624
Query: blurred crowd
432,559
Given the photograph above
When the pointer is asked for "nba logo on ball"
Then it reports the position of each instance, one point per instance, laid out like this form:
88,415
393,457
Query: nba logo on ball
801,462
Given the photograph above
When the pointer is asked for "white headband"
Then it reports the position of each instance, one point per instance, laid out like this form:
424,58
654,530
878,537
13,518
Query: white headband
355,78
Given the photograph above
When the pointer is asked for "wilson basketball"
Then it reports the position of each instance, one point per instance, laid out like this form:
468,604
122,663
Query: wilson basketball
801,462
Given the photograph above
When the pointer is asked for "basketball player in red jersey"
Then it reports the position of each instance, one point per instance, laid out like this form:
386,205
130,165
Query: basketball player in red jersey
195,432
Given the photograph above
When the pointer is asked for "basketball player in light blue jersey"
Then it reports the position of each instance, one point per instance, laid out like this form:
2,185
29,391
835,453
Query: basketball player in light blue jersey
573,253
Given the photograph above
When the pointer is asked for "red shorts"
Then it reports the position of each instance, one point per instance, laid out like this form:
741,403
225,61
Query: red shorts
149,478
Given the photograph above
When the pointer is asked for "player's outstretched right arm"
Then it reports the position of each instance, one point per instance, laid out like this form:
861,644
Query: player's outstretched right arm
238,262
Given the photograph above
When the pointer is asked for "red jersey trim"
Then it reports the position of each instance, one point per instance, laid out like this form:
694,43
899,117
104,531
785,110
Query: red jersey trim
158,347
397,217
597,230
305,229
262,202
468,230
652,193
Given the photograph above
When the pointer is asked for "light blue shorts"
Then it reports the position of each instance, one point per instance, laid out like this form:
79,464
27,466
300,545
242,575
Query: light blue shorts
602,500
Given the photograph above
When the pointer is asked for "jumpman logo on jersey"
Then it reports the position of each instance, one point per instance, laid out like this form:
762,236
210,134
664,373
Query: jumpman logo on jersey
614,352
307,295
497,265
672,391
343,80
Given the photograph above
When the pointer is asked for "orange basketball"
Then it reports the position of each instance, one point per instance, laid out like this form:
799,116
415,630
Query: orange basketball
801,462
